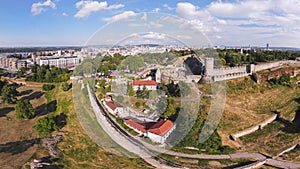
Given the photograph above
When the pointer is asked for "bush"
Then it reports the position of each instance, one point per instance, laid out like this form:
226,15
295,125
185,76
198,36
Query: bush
120,99
46,125
9,93
137,104
24,109
65,86
48,87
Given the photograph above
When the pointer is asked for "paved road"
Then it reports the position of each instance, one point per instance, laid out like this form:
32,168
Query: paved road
257,156
282,164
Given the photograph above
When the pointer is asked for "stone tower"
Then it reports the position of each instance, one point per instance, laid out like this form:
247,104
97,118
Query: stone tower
158,76
209,66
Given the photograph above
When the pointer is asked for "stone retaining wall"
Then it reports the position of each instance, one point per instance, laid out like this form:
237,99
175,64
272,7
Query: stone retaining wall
253,129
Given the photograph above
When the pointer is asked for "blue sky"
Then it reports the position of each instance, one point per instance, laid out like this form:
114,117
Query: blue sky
226,22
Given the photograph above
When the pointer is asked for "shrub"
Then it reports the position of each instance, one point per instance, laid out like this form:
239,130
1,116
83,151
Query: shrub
46,125
9,93
48,87
24,109
137,104
65,86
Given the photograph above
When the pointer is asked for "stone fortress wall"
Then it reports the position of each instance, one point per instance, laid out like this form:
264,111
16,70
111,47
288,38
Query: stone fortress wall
254,128
221,74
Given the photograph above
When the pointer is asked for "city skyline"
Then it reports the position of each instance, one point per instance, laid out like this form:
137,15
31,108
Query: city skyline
72,23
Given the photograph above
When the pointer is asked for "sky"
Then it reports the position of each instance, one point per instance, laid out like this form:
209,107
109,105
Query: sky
223,22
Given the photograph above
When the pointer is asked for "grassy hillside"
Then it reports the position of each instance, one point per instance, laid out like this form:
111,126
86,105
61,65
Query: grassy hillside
249,103
78,150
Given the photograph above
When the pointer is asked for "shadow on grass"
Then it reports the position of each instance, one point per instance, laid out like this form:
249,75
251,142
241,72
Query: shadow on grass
46,108
50,160
5,111
61,120
238,165
291,127
25,92
34,95
18,147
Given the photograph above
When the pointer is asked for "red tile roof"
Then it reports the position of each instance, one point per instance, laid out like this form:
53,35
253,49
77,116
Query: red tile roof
139,126
144,83
111,105
108,98
161,127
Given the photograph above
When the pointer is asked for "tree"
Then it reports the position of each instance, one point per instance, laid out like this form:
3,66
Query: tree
223,61
131,90
46,125
24,109
21,72
48,76
9,93
33,69
2,84
133,63
120,99
48,87
103,69
137,104
65,86
143,93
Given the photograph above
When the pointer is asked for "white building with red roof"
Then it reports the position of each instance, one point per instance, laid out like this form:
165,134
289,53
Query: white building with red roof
139,84
156,131
160,131
113,107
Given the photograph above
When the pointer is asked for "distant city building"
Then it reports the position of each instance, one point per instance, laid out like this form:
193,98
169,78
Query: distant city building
21,63
12,63
62,62
268,46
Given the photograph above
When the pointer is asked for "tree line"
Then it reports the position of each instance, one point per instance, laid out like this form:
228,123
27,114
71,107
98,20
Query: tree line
234,57
45,73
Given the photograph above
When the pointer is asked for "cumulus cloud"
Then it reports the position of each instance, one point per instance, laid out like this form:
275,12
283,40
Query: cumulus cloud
124,15
154,35
241,18
39,7
144,17
86,7
156,10
64,14
168,7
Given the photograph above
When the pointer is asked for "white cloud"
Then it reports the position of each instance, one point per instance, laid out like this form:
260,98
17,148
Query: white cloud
86,7
124,15
154,35
188,10
144,17
156,10
168,7
64,14
39,7
248,21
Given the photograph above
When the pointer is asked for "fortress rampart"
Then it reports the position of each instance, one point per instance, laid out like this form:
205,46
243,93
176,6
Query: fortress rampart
254,128
221,74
